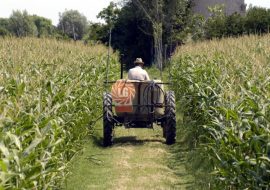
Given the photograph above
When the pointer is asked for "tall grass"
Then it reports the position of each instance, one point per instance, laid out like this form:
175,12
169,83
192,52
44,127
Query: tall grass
224,89
50,92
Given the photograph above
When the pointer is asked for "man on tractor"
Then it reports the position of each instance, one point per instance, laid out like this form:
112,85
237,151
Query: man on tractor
139,103
138,73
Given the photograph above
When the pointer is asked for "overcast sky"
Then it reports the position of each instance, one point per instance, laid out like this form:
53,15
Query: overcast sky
51,8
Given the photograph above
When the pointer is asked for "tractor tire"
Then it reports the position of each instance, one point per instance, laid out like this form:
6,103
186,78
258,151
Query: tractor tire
163,126
170,123
108,124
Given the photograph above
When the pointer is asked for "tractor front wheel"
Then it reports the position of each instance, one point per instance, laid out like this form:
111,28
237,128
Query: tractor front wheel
108,124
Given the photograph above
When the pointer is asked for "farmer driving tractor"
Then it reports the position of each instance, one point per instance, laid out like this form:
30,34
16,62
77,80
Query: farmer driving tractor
138,103
138,73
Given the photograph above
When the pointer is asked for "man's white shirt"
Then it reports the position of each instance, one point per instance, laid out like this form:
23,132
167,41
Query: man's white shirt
137,73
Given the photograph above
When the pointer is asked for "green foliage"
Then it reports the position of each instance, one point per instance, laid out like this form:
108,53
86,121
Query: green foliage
219,25
195,28
73,24
96,32
177,15
224,89
49,98
235,25
109,14
257,20
100,32
20,24
44,26
216,24
4,22
139,22
3,31
129,37
4,27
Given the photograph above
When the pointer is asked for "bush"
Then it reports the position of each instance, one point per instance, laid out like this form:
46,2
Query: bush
4,32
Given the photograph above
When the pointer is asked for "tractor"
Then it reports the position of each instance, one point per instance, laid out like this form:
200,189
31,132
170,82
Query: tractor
139,104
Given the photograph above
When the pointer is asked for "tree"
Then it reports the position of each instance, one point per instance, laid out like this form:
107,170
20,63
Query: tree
4,24
153,11
196,27
21,24
177,22
235,25
73,24
132,35
44,26
168,19
96,32
216,24
144,27
258,20
109,14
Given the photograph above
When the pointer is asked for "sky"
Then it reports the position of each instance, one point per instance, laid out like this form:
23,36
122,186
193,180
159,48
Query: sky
90,8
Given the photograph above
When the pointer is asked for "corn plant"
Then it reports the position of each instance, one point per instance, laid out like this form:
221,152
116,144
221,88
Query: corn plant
50,94
224,89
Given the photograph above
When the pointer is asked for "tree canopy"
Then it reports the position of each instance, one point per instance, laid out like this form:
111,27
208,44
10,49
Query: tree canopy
109,14
44,26
20,24
73,24
142,28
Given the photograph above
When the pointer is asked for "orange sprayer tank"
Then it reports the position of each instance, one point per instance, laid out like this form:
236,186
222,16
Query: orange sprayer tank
136,98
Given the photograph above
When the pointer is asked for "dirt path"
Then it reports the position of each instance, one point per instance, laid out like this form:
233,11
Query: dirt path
139,159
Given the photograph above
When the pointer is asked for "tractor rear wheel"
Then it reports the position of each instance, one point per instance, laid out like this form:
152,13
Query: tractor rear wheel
163,126
170,123
108,124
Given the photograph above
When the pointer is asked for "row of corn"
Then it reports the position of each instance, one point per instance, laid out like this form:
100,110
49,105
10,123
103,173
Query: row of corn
50,93
223,87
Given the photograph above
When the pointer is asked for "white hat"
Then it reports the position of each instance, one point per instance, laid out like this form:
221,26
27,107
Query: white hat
138,60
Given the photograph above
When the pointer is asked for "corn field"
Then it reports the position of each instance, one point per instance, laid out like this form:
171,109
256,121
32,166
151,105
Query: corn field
50,94
223,87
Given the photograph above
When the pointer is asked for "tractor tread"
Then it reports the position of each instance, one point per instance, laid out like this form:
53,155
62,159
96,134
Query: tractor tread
170,124
108,125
